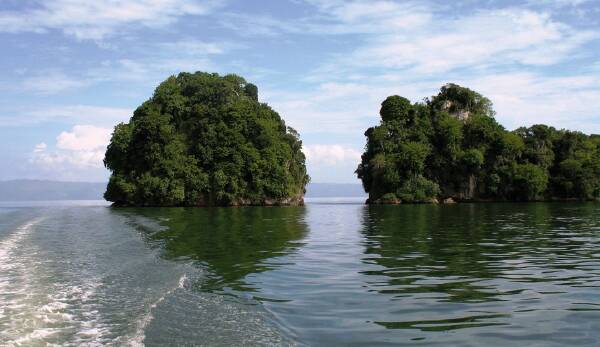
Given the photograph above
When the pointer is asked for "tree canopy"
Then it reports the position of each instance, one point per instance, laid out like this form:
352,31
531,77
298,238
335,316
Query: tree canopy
204,140
450,145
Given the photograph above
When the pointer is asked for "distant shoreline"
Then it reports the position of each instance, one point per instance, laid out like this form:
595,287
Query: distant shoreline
48,190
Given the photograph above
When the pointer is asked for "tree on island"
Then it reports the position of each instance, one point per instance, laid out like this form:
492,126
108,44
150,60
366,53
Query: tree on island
205,140
450,146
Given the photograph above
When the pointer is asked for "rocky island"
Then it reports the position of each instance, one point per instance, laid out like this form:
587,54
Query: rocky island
450,148
205,140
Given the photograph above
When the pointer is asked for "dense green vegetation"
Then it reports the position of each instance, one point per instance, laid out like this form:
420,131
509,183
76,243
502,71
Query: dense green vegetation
450,145
204,140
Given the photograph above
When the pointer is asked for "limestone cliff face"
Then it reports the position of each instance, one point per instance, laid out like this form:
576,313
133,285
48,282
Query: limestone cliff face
469,189
455,111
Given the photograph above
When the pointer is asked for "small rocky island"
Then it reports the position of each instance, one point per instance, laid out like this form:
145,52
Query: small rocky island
205,140
450,148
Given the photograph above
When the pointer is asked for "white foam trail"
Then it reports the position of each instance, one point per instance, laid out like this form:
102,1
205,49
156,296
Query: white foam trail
34,308
13,276
140,335
12,241
8,264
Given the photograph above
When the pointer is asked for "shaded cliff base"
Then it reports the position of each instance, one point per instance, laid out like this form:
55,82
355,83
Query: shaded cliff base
450,200
268,202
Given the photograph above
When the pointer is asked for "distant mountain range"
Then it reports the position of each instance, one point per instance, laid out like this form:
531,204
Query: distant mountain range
37,190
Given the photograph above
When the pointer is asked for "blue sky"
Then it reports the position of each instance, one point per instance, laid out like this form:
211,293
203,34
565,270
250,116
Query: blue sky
72,69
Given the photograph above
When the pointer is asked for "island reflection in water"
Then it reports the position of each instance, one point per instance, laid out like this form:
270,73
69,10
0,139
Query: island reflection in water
368,275
231,243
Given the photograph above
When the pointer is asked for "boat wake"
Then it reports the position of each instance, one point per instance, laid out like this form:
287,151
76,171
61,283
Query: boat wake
9,267
35,309
140,335
64,285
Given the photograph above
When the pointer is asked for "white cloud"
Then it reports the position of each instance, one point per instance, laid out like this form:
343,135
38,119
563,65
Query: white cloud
332,162
100,116
257,25
334,108
172,57
196,47
334,18
433,43
91,19
160,60
40,147
331,154
523,99
324,117
52,83
362,16
83,138
412,49
559,3
77,150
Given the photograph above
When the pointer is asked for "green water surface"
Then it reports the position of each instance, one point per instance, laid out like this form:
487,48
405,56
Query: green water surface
321,275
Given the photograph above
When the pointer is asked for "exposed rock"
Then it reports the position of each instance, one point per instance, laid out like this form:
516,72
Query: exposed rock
453,110
449,201
291,201
384,201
